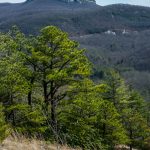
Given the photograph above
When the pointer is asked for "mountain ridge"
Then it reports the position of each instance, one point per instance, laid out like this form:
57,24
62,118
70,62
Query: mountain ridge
103,17
129,53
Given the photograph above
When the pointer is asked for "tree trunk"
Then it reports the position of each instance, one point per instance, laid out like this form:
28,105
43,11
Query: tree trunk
54,120
131,136
45,92
104,130
12,113
30,92
104,125
30,98
53,115
53,102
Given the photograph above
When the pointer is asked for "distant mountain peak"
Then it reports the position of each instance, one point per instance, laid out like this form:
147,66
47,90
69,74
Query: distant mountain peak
80,1
67,1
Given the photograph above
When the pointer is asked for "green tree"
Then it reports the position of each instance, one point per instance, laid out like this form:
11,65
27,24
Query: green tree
135,120
110,125
131,108
11,73
4,128
24,46
88,119
137,128
117,92
51,60
60,63
78,116
46,90
15,73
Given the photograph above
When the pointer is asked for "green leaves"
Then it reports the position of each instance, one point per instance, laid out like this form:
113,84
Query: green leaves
4,127
131,108
46,90
58,54
110,125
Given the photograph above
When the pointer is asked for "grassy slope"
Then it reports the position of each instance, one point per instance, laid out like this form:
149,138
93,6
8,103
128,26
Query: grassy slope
14,143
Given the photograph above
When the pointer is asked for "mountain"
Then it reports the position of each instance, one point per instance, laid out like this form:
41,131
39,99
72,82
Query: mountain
76,18
33,14
115,35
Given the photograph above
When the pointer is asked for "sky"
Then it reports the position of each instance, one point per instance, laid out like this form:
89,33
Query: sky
102,2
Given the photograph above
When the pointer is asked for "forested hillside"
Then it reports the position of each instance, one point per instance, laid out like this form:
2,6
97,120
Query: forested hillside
75,73
115,36
46,92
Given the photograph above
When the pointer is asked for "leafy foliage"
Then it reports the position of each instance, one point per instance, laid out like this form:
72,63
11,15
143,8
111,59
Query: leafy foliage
46,92
4,128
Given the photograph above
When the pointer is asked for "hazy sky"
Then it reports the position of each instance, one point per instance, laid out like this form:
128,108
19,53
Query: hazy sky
103,2
134,2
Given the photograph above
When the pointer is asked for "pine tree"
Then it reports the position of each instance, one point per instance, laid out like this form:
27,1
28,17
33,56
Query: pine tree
135,121
78,117
117,91
45,90
11,73
110,125
60,63
131,108
4,128
15,85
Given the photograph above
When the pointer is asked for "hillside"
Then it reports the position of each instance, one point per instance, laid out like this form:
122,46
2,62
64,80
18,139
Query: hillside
50,91
34,14
73,17
115,36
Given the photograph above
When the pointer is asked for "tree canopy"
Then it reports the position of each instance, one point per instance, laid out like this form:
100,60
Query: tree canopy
46,90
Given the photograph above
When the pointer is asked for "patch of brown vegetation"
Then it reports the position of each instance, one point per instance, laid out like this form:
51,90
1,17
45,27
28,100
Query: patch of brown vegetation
12,143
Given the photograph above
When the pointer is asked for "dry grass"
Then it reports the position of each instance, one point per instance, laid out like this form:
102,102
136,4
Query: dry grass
123,147
14,143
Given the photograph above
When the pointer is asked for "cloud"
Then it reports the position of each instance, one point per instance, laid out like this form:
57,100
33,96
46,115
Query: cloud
12,1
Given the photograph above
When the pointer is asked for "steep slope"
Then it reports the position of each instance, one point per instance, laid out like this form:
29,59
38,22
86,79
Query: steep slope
73,17
115,35
34,14
128,52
